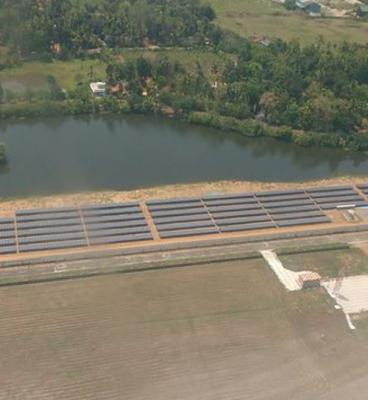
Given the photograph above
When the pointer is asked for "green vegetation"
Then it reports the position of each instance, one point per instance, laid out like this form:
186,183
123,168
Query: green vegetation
331,263
2,153
315,94
265,17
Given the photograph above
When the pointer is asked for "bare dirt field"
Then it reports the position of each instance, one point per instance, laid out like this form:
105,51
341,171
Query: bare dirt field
8,206
222,331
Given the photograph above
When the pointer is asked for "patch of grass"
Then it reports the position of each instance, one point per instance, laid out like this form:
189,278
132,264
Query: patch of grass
33,75
265,17
328,263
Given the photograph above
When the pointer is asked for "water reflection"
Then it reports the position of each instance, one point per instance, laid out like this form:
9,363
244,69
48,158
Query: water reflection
55,155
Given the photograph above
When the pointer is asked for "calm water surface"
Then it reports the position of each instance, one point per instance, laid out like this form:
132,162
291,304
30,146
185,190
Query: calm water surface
65,154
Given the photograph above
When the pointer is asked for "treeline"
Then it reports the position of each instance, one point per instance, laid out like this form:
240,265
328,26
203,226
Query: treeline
2,154
67,27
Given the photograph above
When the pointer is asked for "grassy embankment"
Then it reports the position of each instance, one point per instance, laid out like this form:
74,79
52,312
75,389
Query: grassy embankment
247,17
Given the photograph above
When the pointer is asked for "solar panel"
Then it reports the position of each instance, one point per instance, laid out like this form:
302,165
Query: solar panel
39,211
188,225
329,189
240,213
334,194
192,211
330,206
290,197
211,203
178,206
43,217
247,227
298,215
8,249
279,193
109,206
7,234
52,245
346,199
280,204
306,221
237,221
112,211
228,196
286,210
118,232
188,232
185,218
112,225
48,223
239,207
51,238
121,239
7,242
50,230
6,221
363,186
113,218
173,201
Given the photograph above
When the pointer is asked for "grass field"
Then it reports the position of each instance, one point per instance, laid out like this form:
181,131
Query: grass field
222,331
33,75
248,17
329,263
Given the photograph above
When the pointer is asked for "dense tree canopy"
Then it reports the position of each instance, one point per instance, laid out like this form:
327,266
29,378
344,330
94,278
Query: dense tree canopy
72,25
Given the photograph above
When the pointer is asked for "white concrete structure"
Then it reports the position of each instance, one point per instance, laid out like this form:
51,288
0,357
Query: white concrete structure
98,88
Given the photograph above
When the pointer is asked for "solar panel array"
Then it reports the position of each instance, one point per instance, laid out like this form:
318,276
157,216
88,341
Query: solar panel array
364,188
115,223
68,227
331,197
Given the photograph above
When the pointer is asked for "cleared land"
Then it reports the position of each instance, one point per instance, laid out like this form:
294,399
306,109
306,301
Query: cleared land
329,263
221,331
248,17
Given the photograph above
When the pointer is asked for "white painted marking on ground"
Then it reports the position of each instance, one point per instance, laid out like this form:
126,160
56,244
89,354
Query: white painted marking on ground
352,295
289,279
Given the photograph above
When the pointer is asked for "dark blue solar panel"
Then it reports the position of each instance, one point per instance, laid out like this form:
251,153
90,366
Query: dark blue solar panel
318,195
237,221
302,215
227,196
192,211
51,238
48,223
180,206
39,211
187,233
113,211
215,209
50,230
346,199
109,206
288,204
188,225
121,239
285,210
279,193
173,201
241,213
52,245
118,232
329,189
49,216
113,218
113,225
306,221
247,227
8,249
185,218
225,202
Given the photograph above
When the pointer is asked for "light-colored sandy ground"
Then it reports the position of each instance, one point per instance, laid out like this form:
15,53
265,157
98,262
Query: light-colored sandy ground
222,331
7,206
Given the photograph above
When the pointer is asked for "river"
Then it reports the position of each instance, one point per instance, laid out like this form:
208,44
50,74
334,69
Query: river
60,155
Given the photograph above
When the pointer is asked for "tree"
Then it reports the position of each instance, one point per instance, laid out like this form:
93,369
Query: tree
144,67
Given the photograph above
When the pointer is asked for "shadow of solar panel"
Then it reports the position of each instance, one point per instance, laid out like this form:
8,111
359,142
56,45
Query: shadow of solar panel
239,213
50,230
49,216
305,221
185,218
118,232
330,206
212,203
247,227
51,238
8,250
121,239
114,218
280,204
39,211
285,210
23,248
178,206
112,211
173,213
303,215
188,225
239,207
229,196
173,201
109,206
48,223
329,189
242,221
115,225
187,233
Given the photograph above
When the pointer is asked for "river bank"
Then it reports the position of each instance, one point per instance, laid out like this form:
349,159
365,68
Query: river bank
9,205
